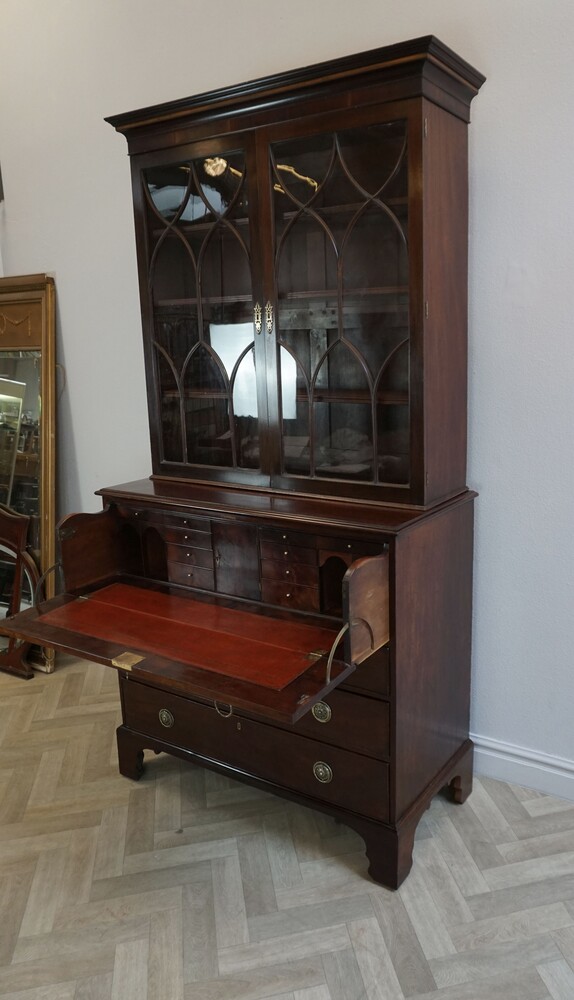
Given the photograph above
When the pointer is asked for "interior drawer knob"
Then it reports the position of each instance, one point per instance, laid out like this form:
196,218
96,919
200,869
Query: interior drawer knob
166,718
321,711
322,772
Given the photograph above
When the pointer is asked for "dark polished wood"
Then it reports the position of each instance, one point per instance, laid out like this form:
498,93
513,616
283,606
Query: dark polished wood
287,599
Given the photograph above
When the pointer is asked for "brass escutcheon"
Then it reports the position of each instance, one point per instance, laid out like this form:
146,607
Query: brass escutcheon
322,772
269,317
166,718
321,711
257,314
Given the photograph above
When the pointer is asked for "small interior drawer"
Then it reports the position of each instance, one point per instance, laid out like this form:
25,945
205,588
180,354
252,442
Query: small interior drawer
299,573
191,576
348,545
283,552
285,536
187,521
288,595
190,556
188,536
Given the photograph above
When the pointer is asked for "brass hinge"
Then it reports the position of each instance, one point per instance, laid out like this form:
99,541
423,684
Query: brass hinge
426,128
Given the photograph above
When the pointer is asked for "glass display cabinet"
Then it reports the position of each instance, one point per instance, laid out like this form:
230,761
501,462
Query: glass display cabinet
287,599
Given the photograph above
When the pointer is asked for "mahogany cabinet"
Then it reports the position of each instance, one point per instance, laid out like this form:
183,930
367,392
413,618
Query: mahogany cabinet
287,599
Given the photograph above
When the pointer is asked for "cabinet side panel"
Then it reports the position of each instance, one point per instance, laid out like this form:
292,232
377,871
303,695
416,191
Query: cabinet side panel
433,609
445,224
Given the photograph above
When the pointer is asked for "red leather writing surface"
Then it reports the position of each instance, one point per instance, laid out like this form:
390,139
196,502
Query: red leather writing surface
268,652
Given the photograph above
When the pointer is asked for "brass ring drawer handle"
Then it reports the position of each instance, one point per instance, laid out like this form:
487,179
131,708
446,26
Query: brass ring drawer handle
166,718
321,711
322,772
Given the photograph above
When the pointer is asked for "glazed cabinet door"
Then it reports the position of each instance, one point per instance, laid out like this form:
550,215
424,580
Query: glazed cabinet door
200,285
341,280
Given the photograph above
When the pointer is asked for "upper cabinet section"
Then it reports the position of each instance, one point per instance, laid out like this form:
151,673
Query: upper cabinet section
302,260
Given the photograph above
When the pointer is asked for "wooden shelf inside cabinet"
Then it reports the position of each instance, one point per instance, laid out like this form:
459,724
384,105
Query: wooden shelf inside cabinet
329,211
332,293
175,229
386,397
213,300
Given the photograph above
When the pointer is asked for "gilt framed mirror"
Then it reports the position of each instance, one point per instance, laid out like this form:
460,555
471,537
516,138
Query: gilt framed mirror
28,434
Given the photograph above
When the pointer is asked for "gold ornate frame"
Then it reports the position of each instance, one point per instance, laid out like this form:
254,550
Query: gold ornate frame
28,323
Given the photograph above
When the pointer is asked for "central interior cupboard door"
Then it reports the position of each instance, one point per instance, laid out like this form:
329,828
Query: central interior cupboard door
340,203
203,285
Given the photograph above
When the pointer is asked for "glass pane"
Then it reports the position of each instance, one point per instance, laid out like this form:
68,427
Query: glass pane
374,254
393,446
374,159
176,331
173,272
207,409
341,263
393,443
170,409
224,269
343,417
245,411
200,276
343,434
11,402
169,188
20,438
207,425
295,410
196,190
203,374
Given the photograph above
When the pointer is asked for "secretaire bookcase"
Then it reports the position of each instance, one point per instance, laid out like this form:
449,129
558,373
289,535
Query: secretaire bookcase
287,599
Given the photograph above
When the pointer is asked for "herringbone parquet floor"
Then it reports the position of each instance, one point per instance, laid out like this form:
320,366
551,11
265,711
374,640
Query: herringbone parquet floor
188,886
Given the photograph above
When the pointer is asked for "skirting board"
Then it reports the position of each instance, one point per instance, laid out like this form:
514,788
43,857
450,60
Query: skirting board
506,762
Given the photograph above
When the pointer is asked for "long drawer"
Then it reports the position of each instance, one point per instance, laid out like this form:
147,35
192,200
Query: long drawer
293,761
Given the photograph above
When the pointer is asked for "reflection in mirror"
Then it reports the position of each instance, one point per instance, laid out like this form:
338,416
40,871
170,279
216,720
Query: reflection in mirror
27,455
19,580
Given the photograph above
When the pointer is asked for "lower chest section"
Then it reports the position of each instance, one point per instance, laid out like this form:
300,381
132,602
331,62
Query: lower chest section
337,754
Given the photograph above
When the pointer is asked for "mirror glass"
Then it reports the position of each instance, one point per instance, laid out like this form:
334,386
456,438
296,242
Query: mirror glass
27,444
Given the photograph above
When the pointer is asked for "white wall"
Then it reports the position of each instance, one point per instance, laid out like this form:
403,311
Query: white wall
64,65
